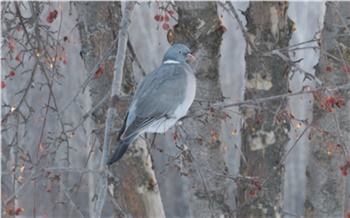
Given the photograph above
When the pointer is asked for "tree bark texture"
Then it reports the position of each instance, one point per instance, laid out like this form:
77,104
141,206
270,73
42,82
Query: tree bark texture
198,28
325,190
137,192
264,134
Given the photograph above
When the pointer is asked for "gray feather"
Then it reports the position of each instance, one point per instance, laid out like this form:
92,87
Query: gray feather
158,96
162,98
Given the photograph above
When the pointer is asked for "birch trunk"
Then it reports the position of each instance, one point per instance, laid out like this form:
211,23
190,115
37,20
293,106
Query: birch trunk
198,28
325,189
263,140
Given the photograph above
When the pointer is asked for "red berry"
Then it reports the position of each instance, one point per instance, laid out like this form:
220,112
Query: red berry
18,58
252,192
171,12
49,19
101,68
99,71
166,26
18,29
11,46
12,73
18,211
223,28
3,84
9,211
328,68
345,172
166,18
331,100
157,17
340,102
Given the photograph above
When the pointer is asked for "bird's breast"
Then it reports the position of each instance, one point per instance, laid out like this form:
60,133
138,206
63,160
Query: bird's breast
189,96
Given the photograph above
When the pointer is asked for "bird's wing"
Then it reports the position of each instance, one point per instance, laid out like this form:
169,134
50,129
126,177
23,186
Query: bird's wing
157,97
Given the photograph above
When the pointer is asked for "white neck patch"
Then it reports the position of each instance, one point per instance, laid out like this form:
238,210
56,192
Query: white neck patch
171,62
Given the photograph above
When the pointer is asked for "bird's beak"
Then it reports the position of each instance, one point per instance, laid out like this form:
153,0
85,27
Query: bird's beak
193,58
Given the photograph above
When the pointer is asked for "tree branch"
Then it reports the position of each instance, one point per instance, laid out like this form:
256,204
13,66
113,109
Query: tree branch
256,52
31,178
117,80
137,60
250,102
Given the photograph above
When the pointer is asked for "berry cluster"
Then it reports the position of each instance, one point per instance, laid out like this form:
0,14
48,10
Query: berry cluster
164,18
52,16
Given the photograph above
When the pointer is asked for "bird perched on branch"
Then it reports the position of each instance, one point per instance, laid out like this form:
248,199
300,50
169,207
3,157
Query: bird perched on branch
161,99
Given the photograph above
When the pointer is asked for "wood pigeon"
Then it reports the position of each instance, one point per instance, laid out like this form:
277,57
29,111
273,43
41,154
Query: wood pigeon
161,99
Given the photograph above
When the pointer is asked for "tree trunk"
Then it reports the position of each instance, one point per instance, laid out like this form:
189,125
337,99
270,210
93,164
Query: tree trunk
263,140
325,190
198,27
137,193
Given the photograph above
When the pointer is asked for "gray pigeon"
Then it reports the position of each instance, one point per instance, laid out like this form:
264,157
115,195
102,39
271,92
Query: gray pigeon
161,99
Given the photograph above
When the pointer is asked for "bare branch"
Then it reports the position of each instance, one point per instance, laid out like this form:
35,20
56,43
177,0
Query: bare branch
33,176
117,80
278,97
256,52
54,169
70,199
91,73
137,60
251,102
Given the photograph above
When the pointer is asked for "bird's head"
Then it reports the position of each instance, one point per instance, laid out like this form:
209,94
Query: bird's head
177,53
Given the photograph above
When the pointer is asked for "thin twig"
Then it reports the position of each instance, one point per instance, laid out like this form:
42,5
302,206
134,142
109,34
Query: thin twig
240,24
204,183
33,176
91,73
278,97
256,52
249,200
115,203
70,199
296,65
137,60
252,102
92,110
54,169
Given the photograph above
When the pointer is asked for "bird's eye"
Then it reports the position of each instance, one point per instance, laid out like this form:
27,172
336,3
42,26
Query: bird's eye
179,51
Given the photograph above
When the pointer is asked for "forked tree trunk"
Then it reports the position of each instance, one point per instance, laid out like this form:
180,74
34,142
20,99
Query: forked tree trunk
325,190
263,140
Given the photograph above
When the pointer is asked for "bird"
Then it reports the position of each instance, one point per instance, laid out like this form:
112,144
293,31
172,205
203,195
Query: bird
161,99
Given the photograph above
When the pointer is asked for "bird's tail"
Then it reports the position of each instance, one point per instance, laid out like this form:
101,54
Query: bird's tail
120,150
